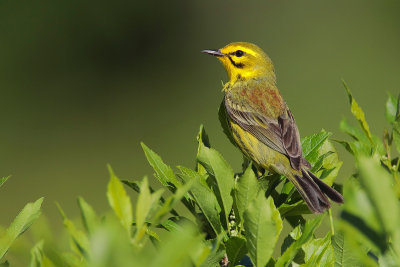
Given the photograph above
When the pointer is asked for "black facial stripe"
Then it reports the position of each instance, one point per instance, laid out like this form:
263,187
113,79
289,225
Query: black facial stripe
237,65
237,53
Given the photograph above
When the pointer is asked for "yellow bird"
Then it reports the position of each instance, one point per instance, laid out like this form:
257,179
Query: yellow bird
262,124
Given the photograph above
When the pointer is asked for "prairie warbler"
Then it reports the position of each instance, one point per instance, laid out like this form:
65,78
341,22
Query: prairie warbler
263,126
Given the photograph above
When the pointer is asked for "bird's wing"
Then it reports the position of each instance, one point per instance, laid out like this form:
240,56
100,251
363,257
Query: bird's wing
291,139
280,134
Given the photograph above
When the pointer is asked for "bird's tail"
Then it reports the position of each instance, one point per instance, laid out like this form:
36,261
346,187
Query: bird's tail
315,192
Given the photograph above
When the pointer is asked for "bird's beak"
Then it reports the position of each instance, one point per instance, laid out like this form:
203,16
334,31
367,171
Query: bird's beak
214,52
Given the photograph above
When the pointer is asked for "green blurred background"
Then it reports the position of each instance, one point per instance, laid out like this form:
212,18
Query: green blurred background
83,82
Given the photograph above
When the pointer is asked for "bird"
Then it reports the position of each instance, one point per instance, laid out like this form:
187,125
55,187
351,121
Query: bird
262,125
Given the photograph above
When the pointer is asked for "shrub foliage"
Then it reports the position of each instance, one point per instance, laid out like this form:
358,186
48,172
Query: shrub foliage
211,216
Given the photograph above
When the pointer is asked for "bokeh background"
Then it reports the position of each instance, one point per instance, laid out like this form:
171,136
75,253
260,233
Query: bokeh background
83,82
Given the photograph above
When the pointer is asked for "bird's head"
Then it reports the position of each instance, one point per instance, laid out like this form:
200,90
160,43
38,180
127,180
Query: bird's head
244,61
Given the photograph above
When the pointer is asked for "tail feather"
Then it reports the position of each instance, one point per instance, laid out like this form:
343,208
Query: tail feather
316,201
326,189
315,192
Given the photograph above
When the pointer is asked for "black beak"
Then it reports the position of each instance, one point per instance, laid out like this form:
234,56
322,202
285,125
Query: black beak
214,52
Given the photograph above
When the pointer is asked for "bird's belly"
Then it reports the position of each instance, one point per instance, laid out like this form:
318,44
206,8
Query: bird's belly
260,153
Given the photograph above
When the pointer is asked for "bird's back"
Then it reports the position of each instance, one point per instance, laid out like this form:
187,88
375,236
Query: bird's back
257,102
258,96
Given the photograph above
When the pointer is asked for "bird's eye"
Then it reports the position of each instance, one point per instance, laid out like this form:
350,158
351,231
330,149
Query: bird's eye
239,53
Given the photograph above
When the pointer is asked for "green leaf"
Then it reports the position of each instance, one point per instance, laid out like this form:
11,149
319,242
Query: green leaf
79,240
204,197
311,145
40,259
344,254
235,249
135,185
21,223
204,255
174,223
168,205
358,245
89,216
177,248
37,255
306,234
349,146
373,219
164,173
319,165
146,203
291,237
218,168
55,258
377,183
358,113
319,252
202,139
355,132
111,246
298,208
392,110
330,163
153,236
389,258
119,201
361,217
217,251
309,228
3,180
246,190
214,258
263,225
361,144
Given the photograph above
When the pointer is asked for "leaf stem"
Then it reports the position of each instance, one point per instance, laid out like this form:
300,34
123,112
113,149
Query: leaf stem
331,221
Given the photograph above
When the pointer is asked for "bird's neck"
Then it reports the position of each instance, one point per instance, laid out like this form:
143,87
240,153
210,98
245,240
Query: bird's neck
243,81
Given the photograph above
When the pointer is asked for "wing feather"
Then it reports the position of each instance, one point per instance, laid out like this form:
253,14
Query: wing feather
280,134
